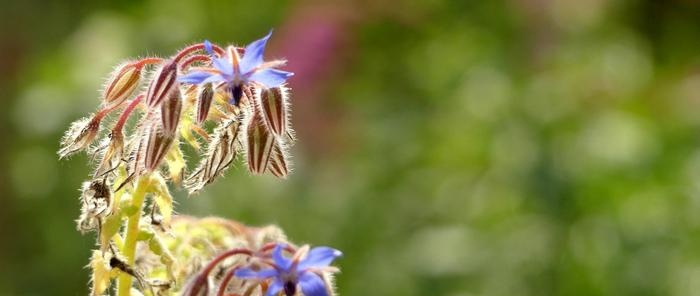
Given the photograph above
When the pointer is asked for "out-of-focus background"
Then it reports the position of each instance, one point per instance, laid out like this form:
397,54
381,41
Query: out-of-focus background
517,147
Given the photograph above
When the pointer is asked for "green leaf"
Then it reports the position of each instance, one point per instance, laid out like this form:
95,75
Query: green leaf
163,199
110,227
145,235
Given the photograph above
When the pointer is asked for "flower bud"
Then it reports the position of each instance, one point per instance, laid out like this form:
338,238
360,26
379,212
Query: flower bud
259,144
274,106
279,162
80,134
206,96
121,85
221,151
112,155
96,198
156,146
170,111
163,82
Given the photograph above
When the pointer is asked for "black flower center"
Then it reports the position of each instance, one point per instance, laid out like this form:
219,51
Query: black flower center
236,93
290,288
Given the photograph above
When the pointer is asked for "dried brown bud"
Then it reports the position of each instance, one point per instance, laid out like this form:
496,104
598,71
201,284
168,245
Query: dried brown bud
97,201
80,135
274,107
135,162
259,143
221,152
163,82
112,155
170,111
121,85
206,96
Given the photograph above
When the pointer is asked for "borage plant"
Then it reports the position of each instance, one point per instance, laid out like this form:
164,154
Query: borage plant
222,102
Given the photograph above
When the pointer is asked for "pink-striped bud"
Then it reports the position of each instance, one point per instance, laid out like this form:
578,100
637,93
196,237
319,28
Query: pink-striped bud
259,144
206,96
157,145
121,85
164,81
170,111
274,106
279,162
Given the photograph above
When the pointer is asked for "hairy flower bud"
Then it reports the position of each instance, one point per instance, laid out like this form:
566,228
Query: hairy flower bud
121,85
170,111
279,163
220,153
112,155
274,107
206,96
80,134
96,198
157,145
163,82
259,144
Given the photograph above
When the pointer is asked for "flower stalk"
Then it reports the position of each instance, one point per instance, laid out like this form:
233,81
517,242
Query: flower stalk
129,246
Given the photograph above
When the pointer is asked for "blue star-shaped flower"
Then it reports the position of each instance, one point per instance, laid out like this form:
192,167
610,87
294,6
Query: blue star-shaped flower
238,71
288,273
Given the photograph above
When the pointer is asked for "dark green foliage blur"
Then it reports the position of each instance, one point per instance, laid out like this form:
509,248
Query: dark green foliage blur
519,147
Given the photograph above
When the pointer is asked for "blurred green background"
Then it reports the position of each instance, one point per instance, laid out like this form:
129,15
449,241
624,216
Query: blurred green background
517,147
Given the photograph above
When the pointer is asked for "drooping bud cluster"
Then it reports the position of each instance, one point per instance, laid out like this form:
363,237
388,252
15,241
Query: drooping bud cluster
241,106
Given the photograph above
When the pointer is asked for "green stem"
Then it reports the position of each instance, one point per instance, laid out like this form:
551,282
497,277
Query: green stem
132,231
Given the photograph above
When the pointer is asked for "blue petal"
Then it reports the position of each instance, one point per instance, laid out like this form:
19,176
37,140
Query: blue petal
275,288
215,78
312,285
195,77
253,55
270,77
208,47
247,273
319,257
224,67
282,262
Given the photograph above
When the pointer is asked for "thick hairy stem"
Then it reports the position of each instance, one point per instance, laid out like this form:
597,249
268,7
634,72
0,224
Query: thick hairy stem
200,283
127,112
132,231
193,59
195,47
224,282
148,61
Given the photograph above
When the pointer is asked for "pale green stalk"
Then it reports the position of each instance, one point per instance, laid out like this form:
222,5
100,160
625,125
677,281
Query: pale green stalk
132,230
